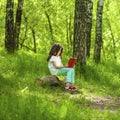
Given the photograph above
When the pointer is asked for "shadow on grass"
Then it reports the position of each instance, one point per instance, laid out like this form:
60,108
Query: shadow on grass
103,75
6,85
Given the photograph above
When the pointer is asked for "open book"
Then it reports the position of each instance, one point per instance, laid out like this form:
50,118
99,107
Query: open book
71,62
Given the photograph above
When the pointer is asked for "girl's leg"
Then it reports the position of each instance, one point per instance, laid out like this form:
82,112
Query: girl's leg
69,73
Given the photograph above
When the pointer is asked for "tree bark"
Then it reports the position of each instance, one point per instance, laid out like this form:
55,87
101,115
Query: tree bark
18,22
69,32
49,80
50,27
89,25
112,34
113,39
34,39
98,40
9,27
80,35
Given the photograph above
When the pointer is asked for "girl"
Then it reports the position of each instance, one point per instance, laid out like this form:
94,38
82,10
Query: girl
56,67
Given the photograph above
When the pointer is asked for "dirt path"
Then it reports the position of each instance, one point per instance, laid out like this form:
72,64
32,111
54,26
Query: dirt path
102,103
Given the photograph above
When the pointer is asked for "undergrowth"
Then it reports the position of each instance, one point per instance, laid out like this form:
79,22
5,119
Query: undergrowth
21,99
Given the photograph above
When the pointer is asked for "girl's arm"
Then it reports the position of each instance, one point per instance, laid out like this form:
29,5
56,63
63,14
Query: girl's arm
57,67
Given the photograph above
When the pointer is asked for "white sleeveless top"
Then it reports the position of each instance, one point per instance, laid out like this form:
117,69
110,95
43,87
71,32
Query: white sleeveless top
51,67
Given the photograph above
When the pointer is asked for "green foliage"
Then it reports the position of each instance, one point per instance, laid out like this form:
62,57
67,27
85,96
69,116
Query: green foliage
111,21
61,14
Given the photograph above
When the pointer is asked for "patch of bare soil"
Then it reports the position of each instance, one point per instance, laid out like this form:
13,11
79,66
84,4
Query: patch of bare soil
110,104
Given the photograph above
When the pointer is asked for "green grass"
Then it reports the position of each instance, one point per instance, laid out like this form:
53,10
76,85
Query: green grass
21,99
102,78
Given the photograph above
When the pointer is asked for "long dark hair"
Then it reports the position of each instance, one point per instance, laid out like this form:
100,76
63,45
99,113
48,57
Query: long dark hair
54,50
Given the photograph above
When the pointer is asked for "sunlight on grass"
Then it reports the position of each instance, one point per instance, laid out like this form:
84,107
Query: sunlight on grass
63,111
20,98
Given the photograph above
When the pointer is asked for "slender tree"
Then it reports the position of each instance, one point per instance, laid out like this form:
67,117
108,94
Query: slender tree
69,31
89,25
9,27
50,26
111,33
98,40
18,22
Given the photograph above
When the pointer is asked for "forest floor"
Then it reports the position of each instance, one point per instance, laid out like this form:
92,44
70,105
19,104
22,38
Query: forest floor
110,104
103,103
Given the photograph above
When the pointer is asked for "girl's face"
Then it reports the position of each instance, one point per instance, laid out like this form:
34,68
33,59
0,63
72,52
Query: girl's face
58,54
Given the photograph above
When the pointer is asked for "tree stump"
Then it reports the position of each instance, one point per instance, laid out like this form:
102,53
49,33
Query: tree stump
51,80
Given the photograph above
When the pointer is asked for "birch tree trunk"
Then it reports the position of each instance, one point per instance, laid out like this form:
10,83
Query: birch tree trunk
98,40
89,25
18,22
9,27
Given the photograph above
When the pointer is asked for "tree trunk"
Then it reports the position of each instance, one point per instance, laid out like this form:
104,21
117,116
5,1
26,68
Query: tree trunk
26,29
112,34
50,27
18,22
34,39
9,27
98,41
49,80
80,36
113,39
69,32
89,25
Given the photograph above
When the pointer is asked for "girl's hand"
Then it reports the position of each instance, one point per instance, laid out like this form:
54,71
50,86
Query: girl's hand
66,65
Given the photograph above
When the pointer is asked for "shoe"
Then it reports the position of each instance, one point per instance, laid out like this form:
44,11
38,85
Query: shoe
71,88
